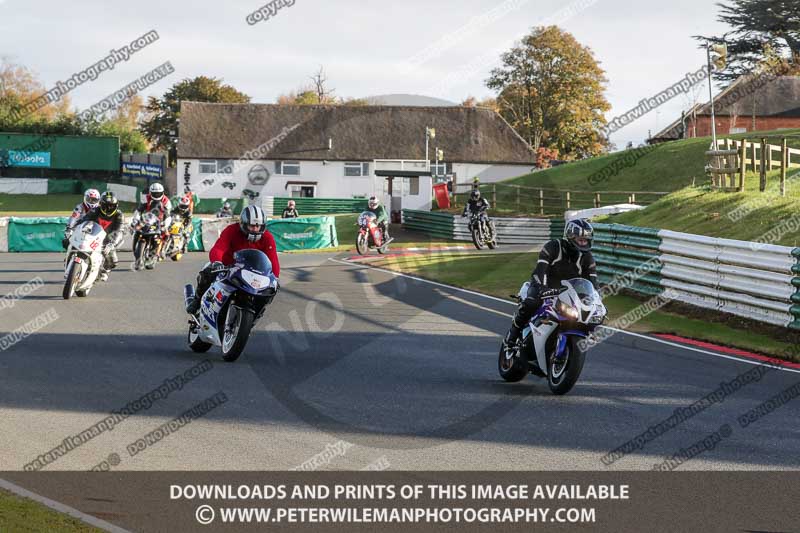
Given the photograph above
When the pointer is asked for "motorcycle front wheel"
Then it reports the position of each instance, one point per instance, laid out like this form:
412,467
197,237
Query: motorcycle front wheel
238,323
477,240
563,372
138,254
72,280
362,244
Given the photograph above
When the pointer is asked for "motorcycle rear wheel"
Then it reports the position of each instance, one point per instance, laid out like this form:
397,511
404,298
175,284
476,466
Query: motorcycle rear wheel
513,368
195,343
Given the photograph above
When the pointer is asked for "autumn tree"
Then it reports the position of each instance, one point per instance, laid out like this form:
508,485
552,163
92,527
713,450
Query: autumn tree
20,85
760,28
160,127
550,89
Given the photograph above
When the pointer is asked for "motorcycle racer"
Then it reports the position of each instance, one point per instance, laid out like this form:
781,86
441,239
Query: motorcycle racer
91,199
111,219
560,259
250,233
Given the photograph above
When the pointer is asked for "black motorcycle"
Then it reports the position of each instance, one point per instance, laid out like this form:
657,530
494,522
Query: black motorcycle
483,231
147,241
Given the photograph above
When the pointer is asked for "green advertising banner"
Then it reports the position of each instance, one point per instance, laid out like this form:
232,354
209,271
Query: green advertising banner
36,234
305,233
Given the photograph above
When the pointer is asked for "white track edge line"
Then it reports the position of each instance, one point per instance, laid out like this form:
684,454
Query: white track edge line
640,335
62,508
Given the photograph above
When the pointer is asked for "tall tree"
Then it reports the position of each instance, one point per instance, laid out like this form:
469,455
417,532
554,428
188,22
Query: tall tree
20,85
161,125
550,89
760,28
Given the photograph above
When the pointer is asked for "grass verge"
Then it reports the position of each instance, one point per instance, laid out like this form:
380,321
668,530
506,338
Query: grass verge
502,275
748,216
19,514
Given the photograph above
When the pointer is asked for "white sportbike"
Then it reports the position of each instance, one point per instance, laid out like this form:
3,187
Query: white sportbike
84,259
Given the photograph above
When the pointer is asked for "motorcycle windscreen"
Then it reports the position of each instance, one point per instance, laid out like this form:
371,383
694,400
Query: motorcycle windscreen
584,288
92,228
254,260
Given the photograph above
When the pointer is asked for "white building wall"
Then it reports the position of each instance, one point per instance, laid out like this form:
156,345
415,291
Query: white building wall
329,180
329,177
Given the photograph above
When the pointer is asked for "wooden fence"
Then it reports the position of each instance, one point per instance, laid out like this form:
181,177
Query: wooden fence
731,159
520,199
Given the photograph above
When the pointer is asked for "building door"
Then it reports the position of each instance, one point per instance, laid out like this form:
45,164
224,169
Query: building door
307,192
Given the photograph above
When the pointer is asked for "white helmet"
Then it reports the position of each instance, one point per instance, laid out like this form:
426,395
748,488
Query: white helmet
253,222
91,198
373,202
156,191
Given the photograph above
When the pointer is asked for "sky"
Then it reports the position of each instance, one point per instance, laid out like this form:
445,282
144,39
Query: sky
442,48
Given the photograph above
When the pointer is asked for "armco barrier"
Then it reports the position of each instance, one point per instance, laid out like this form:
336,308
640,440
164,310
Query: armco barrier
429,222
534,231
796,295
746,279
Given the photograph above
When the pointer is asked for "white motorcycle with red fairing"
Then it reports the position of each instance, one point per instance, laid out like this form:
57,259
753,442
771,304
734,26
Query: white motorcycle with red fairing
84,259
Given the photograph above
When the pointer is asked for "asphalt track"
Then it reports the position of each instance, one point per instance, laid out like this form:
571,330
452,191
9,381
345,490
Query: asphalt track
376,369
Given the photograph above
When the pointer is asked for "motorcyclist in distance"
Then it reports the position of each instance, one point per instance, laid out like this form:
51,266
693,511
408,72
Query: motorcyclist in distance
381,218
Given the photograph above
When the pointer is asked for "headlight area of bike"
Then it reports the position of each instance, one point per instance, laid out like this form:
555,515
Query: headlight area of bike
567,311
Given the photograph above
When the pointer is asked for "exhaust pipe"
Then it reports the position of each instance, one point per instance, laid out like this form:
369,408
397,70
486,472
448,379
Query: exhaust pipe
188,295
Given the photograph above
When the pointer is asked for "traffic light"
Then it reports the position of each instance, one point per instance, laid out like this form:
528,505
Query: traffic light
719,56
440,155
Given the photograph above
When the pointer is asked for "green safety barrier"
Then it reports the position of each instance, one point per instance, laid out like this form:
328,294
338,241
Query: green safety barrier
40,234
304,233
434,224
320,206
196,240
556,228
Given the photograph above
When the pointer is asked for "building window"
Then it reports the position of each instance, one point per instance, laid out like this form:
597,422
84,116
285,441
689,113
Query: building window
302,191
287,168
216,166
208,166
438,170
225,166
413,187
356,169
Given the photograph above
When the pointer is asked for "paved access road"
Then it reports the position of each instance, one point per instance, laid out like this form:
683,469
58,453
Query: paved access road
370,368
